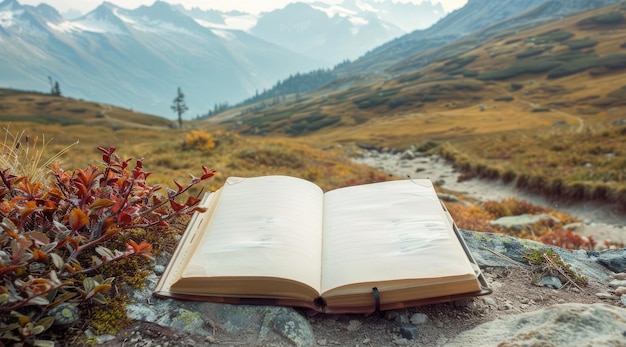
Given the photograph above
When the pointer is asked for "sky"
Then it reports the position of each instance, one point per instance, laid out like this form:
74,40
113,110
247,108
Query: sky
249,6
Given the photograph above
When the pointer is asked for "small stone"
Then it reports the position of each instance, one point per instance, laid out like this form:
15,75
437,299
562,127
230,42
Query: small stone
606,296
402,319
617,283
409,332
524,300
210,339
407,155
64,314
620,291
99,338
366,341
505,307
354,325
489,301
401,342
419,318
322,342
463,302
620,276
391,315
551,282
158,269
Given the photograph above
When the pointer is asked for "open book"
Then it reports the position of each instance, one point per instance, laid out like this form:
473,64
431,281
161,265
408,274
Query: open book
282,240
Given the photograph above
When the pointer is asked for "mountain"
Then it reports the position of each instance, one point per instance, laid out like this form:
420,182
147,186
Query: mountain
562,75
491,17
342,31
137,58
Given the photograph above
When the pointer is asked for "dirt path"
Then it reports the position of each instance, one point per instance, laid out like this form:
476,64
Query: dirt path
601,221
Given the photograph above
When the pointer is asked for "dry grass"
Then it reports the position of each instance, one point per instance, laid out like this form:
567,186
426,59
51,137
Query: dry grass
233,155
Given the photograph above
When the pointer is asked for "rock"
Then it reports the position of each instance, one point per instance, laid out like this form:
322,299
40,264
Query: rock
620,291
409,332
98,338
158,270
295,328
559,325
551,282
401,342
400,317
606,296
354,325
613,259
183,319
277,326
488,249
623,299
65,314
418,318
489,301
522,221
617,283
407,155
573,226
265,324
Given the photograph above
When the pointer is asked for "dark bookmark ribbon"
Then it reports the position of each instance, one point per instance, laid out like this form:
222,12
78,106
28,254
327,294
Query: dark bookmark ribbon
376,298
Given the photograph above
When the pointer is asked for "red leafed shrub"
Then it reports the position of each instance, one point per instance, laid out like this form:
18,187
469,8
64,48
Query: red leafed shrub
568,239
55,236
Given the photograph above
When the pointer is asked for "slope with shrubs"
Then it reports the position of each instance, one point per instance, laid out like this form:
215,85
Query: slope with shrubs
561,81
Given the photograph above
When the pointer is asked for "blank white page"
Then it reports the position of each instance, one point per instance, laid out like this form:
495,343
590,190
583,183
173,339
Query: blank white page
263,226
388,231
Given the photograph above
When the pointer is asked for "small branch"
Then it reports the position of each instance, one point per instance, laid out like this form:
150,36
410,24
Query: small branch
560,270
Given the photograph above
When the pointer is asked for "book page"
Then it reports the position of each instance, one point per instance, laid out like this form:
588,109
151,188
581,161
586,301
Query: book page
263,227
388,231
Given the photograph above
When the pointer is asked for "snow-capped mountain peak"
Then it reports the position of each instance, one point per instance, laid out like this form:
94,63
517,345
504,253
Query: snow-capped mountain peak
139,56
103,19
10,5
10,10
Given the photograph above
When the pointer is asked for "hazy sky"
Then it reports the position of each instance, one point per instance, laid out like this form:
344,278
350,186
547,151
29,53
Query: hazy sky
253,6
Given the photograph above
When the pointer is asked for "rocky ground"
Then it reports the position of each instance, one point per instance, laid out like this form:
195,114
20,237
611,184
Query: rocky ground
518,312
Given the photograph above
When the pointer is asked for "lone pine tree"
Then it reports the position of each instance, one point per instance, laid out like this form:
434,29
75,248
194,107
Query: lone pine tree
179,106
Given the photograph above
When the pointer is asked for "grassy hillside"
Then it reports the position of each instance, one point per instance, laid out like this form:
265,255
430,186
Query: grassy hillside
49,124
561,135
22,106
543,106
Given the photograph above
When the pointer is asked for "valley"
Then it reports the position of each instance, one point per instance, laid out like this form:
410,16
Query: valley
521,111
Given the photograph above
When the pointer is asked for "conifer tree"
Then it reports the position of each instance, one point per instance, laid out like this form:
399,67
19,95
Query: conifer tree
55,88
179,106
